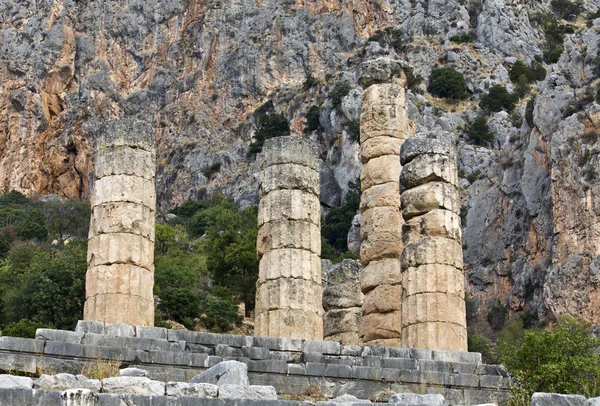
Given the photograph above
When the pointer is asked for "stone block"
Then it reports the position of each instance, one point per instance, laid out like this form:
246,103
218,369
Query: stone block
421,400
253,392
256,352
338,371
434,278
480,396
288,293
88,326
288,176
223,350
378,171
287,205
315,368
343,321
122,217
127,131
383,299
289,150
196,390
18,397
366,373
289,263
125,279
16,344
470,358
63,349
400,363
288,234
380,146
79,397
383,272
15,382
383,195
435,223
296,369
342,290
119,248
62,382
427,197
158,333
381,326
432,250
321,347
268,366
433,307
290,323
378,250
278,344
381,223
120,308
465,380
125,160
133,372
226,372
429,168
125,189
490,381
386,342
383,120
439,335
133,386
428,142
350,337
384,72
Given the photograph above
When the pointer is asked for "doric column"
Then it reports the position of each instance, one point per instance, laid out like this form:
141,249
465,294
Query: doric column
288,290
433,299
120,274
383,129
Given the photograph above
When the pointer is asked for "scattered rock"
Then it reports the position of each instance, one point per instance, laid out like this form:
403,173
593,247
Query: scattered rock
224,373
133,372
61,382
411,399
15,382
555,399
197,390
247,392
131,385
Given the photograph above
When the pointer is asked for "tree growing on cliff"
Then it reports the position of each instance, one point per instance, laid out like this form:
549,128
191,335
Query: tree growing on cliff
447,83
270,125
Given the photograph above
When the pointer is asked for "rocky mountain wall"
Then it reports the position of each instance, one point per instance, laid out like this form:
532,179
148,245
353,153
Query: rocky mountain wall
205,71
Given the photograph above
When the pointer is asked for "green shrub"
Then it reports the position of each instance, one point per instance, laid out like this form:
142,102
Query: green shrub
447,83
497,317
353,129
339,91
34,227
529,112
338,221
462,38
313,122
566,9
24,328
219,315
390,37
4,246
533,72
562,360
483,345
271,125
478,130
498,98
413,81
309,81
553,55
181,305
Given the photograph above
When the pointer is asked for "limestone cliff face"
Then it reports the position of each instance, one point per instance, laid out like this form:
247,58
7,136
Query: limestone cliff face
204,71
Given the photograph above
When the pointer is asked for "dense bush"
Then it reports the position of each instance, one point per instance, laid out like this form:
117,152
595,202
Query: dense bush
462,38
23,328
562,360
478,130
529,112
483,345
498,98
566,9
313,122
497,317
555,35
270,125
447,83
390,37
219,315
533,72
339,91
337,223
353,129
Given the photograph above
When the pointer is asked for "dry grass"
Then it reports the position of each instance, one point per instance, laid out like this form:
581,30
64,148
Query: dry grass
313,393
101,368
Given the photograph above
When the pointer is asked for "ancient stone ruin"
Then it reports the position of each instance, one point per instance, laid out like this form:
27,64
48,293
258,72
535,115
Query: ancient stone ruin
384,128
432,263
120,274
288,293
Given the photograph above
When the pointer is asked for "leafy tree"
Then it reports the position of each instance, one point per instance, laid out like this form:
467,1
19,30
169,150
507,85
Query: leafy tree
478,130
338,221
180,304
497,317
566,9
23,328
483,345
4,246
529,112
498,98
533,72
562,360
219,315
13,198
34,227
271,125
447,83
67,218
313,119
462,38
339,91
390,37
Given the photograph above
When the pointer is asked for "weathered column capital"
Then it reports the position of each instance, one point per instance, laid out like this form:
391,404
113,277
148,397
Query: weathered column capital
381,70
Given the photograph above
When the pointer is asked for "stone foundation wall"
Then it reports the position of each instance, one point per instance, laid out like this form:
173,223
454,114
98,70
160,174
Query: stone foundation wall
383,129
288,293
120,274
432,263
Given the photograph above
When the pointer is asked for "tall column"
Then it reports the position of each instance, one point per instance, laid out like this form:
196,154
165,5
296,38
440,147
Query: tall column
120,274
288,290
433,299
383,129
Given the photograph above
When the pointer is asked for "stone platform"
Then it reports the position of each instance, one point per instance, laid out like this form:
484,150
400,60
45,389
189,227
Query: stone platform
292,366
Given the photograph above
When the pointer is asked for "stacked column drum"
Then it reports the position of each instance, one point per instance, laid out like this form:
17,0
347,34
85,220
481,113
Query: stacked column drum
289,292
432,267
120,274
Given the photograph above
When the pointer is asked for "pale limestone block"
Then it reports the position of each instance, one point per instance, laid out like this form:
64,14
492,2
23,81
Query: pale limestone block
342,322
124,188
383,299
383,272
127,131
123,217
288,176
433,307
434,278
289,150
378,250
380,146
428,197
430,142
125,160
439,336
376,326
124,279
377,171
118,308
289,263
381,223
383,121
386,342
288,293
289,204
347,338
436,223
381,71
118,248
429,168
432,250
287,323
288,234
386,194
384,93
